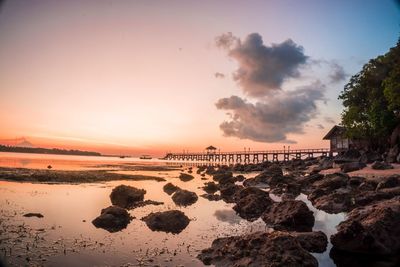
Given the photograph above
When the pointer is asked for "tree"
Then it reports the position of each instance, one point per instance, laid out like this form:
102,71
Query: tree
370,99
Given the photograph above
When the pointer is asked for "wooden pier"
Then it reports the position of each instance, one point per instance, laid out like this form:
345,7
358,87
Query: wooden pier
249,156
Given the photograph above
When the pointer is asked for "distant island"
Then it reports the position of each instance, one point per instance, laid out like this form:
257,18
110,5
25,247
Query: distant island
40,150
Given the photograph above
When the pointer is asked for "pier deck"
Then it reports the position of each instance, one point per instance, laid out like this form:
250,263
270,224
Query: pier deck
249,156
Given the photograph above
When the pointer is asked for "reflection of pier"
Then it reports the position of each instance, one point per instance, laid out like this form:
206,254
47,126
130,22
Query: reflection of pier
248,156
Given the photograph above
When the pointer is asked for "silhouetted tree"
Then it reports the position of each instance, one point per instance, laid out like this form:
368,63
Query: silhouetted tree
371,100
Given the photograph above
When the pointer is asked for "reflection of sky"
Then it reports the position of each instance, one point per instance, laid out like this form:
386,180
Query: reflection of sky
228,216
68,205
326,223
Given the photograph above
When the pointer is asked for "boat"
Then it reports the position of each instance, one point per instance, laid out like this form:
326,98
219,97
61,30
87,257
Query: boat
145,157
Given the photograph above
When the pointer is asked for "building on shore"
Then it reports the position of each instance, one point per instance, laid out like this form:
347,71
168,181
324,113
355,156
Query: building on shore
338,140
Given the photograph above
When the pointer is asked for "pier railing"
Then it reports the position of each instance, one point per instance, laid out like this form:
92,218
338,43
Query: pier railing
248,156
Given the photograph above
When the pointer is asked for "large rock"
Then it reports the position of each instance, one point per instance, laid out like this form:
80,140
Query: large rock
332,181
381,165
229,192
210,187
251,202
172,221
352,166
291,215
125,196
373,229
274,169
351,155
170,188
112,219
336,201
324,164
184,198
315,242
259,249
223,177
388,182
184,177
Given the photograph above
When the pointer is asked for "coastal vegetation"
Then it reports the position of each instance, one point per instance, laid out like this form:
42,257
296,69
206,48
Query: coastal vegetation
40,150
371,101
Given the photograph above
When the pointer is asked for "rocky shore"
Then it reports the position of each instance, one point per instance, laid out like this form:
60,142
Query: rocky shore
371,227
282,196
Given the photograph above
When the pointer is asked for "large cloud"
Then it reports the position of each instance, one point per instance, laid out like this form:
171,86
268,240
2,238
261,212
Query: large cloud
271,120
262,68
338,73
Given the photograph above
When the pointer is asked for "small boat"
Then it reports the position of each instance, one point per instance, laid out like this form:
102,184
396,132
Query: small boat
145,157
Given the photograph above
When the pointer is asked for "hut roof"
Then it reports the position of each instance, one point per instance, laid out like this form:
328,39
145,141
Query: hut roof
336,130
211,148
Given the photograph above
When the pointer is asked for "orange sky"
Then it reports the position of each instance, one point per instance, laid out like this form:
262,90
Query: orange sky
133,77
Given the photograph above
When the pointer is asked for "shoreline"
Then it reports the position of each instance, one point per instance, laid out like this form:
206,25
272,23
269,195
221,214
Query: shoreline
69,177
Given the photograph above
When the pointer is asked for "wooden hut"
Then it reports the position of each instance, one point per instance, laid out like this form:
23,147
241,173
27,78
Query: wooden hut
339,141
211,150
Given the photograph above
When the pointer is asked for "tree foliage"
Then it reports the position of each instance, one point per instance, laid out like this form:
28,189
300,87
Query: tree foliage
371,99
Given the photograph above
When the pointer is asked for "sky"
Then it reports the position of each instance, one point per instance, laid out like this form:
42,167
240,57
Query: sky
136,77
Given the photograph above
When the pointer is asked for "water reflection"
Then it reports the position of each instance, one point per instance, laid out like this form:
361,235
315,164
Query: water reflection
343,259
227,215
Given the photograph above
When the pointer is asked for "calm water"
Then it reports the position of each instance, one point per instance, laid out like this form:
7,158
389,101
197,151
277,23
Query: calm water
66,236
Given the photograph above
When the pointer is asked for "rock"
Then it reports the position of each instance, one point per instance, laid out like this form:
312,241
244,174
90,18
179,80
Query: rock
223,177
240,178
172,221
33,214
351,155
184,198
315,242
256,182
355,181
332,181
381,165
325,163
125,196
210,187
258,249
340,200
184,177
274,169
112,219
392,154
388,182
251,203
290,215
229,191
373,156
210,170
169,188
346,259
352,166
373,229
306,180
367,185
211,197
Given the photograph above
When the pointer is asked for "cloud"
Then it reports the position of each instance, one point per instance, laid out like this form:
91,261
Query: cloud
273,119
226,40
330,120
337,74
262,69
219,75
320,126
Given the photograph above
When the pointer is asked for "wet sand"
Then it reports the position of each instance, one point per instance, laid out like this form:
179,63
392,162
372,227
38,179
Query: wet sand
368,172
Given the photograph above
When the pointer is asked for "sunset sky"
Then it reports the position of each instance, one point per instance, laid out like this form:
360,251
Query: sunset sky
139,77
